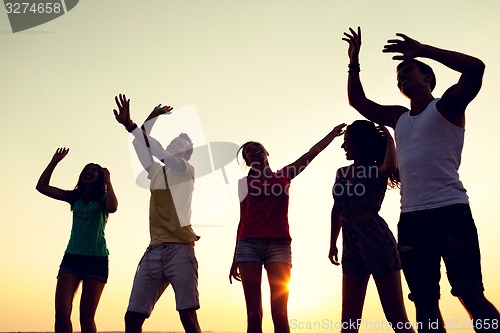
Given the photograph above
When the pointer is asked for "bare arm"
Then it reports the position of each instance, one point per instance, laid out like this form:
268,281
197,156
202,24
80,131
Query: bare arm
390,163
153,116
111,200
381,114
336,225
43,186
456,98
234,272
292,170
152,146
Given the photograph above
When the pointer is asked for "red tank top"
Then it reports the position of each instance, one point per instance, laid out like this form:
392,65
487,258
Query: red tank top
265,207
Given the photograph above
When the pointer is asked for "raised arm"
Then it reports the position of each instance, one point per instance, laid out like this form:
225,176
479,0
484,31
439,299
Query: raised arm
43,186
145,145
292,170
142,145
390,164
153,116
111,200
458,96
386,115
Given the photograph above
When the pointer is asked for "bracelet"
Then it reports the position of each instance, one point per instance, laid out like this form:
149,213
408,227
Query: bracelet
131,128
354,68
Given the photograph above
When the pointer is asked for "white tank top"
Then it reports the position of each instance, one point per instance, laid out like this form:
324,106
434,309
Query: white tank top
429,150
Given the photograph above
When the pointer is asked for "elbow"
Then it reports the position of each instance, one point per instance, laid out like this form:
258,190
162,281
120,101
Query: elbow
481,66
356,103
111,207
112,210
478,67
352,102
40,188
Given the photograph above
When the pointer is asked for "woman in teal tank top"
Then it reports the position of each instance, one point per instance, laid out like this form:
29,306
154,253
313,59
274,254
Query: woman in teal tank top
86,257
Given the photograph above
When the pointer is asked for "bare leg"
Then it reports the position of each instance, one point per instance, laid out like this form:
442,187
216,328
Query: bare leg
482,311
67,285
134,321
353,298
278,275
189,321
251,278
391,296
91,294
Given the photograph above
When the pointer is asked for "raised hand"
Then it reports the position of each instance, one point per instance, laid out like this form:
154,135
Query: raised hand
60,154
123,113
339,129
353,38
158,111
408,47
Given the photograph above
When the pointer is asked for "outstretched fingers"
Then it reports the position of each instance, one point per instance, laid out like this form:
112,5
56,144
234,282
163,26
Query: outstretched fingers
60,154
353,36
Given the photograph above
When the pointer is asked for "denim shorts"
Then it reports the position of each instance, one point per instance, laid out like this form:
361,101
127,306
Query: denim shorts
164,264
85,267
264,250
427,236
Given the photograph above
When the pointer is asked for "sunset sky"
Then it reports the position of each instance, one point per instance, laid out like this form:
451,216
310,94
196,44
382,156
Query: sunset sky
273,71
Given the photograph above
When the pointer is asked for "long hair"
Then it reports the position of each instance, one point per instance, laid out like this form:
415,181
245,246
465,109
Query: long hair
371,144
97,189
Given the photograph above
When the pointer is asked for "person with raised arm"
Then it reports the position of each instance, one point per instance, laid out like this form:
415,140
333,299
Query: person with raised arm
436,221
170,257
85,260
369,247
263,236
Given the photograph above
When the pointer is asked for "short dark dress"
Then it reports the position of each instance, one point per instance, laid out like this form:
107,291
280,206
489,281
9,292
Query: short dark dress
369,247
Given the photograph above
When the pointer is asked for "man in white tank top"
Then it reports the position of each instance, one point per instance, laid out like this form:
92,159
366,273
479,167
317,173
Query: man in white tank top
435,217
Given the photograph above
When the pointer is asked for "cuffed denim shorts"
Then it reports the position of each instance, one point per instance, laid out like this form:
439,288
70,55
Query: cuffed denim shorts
85,267
164,264
264,250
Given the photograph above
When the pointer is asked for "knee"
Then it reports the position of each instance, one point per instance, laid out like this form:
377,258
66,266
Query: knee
189,320
134,320
188,316
279,314
255,316
63,313
478,305
472,298
86,319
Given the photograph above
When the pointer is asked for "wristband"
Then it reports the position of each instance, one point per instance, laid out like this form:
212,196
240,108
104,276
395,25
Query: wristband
354,68
131,128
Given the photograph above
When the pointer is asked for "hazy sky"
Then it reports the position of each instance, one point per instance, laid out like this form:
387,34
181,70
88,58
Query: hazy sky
272,71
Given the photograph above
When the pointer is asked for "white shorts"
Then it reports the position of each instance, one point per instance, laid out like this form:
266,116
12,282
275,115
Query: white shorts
161,265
